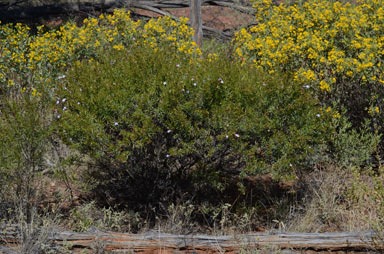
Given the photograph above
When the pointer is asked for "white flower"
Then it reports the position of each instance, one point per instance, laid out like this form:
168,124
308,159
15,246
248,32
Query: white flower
318,115
237,135
167,155
226,137
194,84
116,123
290,164
187,91
192,79
78,103
64,100
58,116
178,65
58,101
61,77
264,84
165,83
169,131
307,86
65,108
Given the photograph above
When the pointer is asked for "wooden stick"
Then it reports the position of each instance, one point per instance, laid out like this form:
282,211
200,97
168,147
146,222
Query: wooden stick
196,21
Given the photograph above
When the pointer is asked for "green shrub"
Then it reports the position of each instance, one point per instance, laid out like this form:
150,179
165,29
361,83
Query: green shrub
160,127
354,147
25,128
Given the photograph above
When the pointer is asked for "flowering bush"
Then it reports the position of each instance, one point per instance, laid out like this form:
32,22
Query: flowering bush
333,48
28,61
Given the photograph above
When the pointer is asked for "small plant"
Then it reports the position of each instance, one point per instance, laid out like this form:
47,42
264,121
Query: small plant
33,238
88,216
179,219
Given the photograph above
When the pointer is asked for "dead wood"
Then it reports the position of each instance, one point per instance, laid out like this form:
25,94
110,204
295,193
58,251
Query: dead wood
152,242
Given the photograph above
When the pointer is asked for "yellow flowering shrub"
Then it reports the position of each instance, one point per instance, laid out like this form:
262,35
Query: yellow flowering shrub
335,49
38,59
166,30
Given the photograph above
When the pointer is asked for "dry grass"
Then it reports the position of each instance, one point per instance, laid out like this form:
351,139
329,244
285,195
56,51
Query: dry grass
338,200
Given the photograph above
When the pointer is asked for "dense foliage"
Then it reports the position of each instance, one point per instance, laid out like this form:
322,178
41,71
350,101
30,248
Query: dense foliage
334,49
162,128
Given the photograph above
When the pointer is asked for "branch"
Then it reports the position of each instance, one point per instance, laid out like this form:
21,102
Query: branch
222,34
240,8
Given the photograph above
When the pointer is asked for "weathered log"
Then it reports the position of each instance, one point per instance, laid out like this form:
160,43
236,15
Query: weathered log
153,242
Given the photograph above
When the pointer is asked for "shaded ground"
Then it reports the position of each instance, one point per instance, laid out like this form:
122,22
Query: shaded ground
221,18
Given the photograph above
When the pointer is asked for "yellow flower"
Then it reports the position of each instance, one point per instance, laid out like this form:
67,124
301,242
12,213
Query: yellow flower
11,82
118,47
324,86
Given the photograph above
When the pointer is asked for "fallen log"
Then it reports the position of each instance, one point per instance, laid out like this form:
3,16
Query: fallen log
154,242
